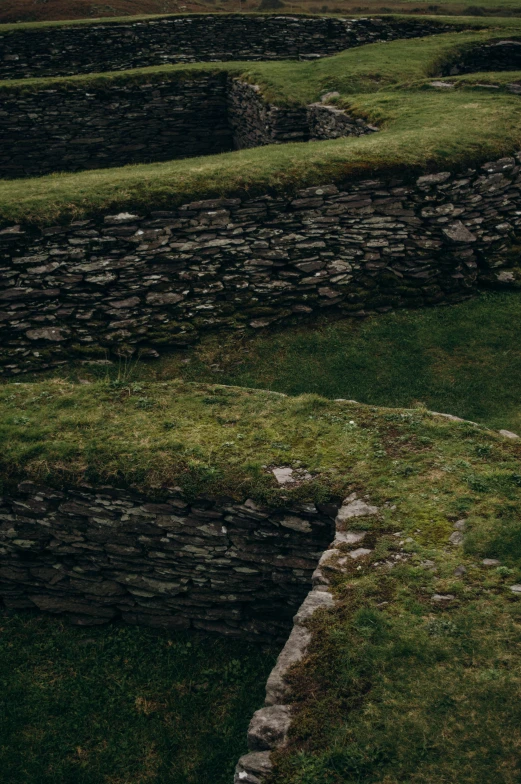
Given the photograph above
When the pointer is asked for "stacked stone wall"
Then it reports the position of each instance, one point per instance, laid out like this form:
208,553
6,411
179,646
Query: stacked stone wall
254,122
128,283
101,554
111,46
71,127
492,56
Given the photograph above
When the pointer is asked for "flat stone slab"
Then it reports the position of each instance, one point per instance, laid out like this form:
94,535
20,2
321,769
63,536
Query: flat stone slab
294,650
508,434
349,537
354,507
313,602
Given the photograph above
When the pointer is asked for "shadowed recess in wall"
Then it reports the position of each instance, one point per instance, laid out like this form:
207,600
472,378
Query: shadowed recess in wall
502,55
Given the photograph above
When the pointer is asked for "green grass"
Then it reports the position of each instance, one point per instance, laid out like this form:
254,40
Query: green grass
421,129
464,359
412,693
121,704
396,688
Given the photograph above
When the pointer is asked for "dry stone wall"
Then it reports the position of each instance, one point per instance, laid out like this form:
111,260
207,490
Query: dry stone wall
492,56
95,554
71,127
269,727
112,46
127,283
254,122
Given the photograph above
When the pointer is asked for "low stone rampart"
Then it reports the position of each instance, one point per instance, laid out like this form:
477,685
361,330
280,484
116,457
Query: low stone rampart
71,127
114,46
135,283
504,55
96,554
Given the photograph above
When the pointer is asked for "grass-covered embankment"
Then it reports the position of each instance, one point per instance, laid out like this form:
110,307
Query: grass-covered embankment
398,686
421,128
122,704
464,359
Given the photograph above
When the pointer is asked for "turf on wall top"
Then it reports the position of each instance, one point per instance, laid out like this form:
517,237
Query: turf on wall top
396,85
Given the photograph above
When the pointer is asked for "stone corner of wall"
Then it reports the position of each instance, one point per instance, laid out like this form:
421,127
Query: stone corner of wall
270,725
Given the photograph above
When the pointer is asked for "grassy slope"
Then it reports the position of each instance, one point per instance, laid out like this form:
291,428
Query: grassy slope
415,692
412,691
118,705
464,359
422,128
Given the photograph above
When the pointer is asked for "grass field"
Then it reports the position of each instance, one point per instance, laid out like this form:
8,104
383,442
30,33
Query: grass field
121,704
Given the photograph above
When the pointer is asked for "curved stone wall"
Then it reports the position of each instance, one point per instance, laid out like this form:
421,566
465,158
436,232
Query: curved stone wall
254,122
114,46
72,127
126,284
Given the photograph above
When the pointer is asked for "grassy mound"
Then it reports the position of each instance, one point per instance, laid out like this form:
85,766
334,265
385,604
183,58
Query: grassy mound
204,437
400,685
464,359
387,83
